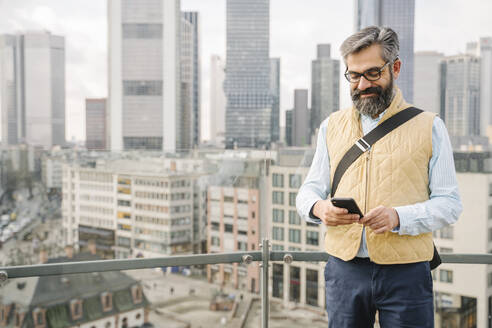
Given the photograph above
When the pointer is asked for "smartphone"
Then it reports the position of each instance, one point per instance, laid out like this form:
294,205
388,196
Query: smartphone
348,203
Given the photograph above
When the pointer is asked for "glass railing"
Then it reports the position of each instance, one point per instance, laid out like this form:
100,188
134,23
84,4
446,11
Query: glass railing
168,291
198,217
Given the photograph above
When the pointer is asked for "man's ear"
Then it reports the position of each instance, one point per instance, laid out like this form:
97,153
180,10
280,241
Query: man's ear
396,68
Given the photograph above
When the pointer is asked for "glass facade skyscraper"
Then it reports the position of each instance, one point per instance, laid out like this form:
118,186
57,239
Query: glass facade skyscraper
400,16
325,86
32,89
247,80
460,95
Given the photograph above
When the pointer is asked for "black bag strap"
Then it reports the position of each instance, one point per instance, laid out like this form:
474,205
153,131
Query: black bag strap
362,145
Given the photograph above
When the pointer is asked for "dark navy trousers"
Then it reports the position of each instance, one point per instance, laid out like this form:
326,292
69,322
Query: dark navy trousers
400,293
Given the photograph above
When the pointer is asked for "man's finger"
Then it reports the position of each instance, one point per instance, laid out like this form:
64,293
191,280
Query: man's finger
339,210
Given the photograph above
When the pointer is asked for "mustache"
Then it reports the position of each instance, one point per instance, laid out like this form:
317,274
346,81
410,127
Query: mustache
357,92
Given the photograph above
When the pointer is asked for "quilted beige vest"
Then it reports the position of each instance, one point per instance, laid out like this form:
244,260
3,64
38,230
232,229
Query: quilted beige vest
393,173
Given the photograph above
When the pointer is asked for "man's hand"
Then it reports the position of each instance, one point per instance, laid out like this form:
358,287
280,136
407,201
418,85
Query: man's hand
381,219
333,216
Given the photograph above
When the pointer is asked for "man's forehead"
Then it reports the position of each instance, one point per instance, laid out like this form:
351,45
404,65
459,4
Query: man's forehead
365,59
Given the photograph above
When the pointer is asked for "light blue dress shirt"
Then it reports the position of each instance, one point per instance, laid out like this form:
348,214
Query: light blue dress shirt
443,207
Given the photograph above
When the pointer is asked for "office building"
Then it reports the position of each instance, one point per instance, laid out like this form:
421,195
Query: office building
288,127
95,124
426,84
247,79
32,89
400,16
144,75
217,100
325,86
190,80
460,95
301,133
275,89
483,49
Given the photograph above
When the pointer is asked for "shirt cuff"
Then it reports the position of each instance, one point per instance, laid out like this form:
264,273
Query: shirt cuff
314,218
404,213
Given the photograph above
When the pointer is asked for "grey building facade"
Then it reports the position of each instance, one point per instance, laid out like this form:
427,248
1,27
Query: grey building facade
247,79
190,53
460,95
426,86
95,124
275,88
483,49
144,74
32,89
288,127
325,86
400,16
300,119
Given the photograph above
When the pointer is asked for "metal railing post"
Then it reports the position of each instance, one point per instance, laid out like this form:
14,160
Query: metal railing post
264,283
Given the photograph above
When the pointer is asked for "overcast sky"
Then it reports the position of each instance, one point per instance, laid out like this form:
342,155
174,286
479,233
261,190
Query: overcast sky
297,26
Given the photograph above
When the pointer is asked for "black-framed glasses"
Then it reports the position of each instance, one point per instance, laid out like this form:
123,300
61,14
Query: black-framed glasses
372,74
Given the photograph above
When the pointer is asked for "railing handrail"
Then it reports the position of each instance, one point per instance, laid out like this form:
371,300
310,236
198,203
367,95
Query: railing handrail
196,259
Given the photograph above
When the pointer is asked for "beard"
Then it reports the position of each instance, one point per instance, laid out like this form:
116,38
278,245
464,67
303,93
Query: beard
373,105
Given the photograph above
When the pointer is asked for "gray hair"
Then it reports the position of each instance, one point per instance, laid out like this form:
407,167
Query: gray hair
384,36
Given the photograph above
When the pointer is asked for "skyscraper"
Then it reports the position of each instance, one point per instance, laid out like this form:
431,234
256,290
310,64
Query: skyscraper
288,127
95,124
217,100
400,16
191,51
325,86
483,49
247,80
32,89
275,88
426,80
144,74
300,119
460,95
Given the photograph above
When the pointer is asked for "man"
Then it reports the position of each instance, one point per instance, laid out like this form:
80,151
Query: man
405,186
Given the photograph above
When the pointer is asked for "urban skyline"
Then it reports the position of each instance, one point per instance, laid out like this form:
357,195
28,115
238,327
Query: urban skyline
86,63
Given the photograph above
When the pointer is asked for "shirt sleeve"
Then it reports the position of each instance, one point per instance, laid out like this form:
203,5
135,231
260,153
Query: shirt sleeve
316,186
444,205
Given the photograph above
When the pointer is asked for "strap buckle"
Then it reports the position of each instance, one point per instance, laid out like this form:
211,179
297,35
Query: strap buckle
363,145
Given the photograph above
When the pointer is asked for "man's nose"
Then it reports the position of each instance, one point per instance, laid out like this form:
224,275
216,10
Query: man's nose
363,83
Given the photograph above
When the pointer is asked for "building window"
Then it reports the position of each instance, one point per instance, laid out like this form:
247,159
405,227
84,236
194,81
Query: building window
312,238
490,189
489,279
292,198
242,232
228,228
295,236
142,88
107,301
447,232
278,197
294,218
76,309
242,246
39,317
142,31
278,215
277,233
490,212
446,276
215,241
295,180
312,287
228,199
277,180
215,226
278,280
276,247
137,294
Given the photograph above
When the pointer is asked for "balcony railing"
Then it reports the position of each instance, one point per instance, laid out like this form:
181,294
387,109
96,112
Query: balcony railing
264,256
